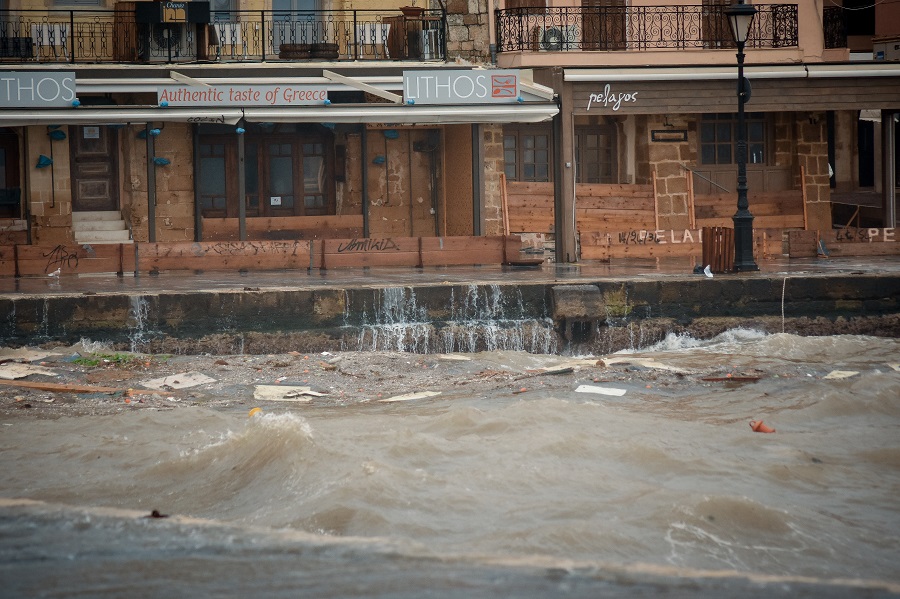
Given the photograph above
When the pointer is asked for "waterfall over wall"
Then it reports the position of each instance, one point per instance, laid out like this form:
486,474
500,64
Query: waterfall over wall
479,318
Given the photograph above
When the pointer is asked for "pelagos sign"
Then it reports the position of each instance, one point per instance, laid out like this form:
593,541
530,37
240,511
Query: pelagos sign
611,99
36,90
461,87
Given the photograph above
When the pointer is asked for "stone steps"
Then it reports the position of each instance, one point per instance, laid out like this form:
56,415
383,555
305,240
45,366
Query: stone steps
100,227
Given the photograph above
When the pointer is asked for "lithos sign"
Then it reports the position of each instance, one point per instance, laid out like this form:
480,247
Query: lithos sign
36,90
461,87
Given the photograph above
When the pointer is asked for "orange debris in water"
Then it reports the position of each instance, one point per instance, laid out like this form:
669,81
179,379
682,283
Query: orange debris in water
759,427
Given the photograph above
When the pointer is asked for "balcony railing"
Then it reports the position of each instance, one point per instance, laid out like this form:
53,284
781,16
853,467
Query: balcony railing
115,36
612,28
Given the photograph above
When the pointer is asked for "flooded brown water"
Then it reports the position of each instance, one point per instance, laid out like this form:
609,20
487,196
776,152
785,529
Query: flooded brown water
661,491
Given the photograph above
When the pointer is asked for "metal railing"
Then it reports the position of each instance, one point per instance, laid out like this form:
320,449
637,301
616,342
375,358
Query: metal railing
253,36
623,28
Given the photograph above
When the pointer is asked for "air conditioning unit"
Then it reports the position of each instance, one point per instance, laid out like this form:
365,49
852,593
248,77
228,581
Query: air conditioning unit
558,38
169,31
171,41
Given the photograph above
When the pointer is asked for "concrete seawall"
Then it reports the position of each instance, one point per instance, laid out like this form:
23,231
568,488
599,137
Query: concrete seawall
559,314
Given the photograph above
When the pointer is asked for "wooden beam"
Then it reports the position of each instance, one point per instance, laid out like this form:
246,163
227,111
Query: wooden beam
61,387
354,83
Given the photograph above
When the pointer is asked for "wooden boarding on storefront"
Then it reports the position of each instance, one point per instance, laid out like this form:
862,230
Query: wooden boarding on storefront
648,244
222,255
598,207
284,227
31,260
295,254
839,243
771,210
417,251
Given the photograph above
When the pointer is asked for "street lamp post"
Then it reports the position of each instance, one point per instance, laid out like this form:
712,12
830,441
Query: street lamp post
740,17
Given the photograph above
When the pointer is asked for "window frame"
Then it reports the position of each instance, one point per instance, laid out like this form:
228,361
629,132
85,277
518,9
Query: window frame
717,121
287,136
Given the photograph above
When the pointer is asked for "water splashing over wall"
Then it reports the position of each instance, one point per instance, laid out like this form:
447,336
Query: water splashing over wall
480,318
137,321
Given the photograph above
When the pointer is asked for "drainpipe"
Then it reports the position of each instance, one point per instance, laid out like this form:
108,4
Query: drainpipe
198,214
363,141
477,183
26,191
151,185
889,167
242,185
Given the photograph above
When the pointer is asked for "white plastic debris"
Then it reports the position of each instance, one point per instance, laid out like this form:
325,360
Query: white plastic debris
293,393
182,380
411,396
600,390
15,370
841,374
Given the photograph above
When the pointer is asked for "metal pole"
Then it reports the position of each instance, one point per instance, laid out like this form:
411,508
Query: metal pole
889,168
151,186
242,186
743,220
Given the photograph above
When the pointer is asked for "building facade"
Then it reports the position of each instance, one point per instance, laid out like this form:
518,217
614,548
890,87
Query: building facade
250,120
648,100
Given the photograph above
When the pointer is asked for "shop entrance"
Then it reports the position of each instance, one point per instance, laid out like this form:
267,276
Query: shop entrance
94,173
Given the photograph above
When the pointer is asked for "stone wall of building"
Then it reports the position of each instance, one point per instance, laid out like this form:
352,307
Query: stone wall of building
666,159
492,211
468,31
50,188
812,155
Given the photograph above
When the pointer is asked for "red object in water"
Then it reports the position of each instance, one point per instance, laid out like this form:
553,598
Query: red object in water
759,427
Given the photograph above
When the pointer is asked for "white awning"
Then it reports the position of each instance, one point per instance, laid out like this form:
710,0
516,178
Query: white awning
350,113
114,115
407,115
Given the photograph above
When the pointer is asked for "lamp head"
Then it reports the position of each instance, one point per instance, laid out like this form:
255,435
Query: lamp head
740,17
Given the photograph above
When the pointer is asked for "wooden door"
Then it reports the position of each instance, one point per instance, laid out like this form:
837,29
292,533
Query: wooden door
94,153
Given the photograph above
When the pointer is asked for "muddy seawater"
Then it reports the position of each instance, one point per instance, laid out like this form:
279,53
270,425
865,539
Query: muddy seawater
660,491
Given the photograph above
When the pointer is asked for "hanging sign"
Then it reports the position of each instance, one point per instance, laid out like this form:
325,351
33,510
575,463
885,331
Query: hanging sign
461,87
242,95
37,90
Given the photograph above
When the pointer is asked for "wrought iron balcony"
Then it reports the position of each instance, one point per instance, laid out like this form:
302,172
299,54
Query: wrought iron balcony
91,36
628,28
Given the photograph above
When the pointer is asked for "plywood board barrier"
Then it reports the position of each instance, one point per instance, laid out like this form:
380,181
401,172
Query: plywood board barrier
32,260
771,210
414,251
852,241
293,254
598,206
285,227
223,255
666,243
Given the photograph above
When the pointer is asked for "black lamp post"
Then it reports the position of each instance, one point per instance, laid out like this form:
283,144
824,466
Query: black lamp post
740,17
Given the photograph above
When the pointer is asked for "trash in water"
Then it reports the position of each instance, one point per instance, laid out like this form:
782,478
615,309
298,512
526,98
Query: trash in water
410,396
284,393
841,374
757,426
600,390
183,380
15,370
254,412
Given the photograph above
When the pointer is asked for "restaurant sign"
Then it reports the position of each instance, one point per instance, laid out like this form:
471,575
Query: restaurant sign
37,90
461,87
242,95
